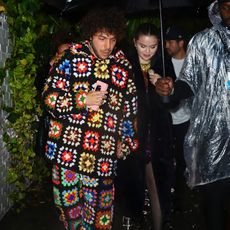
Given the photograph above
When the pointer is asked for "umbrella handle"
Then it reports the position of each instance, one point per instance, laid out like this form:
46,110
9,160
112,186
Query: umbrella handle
165,99
162,37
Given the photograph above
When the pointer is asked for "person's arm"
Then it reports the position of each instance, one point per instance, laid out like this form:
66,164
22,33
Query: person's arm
190,79
177,91
181,91
61,98
58,97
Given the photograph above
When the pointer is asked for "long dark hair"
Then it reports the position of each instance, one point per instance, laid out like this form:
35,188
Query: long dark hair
148,29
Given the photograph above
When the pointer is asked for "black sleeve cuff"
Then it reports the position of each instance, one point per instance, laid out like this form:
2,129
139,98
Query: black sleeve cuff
181,91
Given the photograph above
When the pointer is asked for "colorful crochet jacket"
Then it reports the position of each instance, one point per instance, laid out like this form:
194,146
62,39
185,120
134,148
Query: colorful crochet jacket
80,138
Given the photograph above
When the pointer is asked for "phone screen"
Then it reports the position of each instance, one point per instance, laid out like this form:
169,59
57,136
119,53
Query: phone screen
98,88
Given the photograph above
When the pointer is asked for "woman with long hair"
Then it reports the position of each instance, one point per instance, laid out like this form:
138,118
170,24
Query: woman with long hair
153,124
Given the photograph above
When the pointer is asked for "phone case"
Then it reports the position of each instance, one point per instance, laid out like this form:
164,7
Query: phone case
103,87
102,84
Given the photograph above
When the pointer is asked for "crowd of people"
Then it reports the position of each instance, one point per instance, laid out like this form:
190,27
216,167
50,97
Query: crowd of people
111,136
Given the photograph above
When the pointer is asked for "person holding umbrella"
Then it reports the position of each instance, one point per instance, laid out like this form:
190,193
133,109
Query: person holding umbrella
205,82
151,167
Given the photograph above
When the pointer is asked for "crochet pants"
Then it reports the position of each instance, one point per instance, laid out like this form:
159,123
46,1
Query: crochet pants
83,202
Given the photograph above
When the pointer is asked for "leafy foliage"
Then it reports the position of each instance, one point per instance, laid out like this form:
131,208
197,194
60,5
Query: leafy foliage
31,29
27,170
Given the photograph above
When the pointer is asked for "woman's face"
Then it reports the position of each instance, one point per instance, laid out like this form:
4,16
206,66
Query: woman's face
146,46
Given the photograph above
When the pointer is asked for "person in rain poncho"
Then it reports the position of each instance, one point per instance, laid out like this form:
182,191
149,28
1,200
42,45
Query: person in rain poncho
205,82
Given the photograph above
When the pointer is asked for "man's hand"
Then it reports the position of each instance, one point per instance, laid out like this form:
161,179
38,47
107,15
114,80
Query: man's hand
164,86
119,150
95,98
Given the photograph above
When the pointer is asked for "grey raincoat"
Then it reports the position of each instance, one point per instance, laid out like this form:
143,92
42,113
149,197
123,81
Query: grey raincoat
206,70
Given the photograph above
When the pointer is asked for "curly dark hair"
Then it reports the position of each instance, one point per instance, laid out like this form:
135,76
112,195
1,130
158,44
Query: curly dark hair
109,20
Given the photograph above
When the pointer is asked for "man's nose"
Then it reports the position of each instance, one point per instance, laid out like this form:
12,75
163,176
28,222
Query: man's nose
108,44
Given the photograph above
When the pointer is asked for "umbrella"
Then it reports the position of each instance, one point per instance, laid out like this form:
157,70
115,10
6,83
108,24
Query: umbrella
140,5
66,6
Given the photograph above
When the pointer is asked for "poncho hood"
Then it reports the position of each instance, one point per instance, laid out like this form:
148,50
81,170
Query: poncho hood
214,14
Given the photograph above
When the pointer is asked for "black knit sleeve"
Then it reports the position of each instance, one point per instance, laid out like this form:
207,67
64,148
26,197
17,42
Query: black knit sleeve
181,91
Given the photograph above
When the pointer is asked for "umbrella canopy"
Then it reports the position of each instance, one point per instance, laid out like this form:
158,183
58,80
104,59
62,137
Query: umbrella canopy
66,5
73,5
130,5
141,5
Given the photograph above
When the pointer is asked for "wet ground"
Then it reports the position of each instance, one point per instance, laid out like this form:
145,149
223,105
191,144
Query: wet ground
40,214
189,217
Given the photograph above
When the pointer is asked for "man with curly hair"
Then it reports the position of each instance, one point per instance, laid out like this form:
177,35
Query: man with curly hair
91,98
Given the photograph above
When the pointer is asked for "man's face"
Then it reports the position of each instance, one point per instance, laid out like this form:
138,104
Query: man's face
173,47
102,44
225,12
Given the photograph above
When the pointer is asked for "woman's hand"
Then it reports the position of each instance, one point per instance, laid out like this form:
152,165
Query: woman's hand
153,78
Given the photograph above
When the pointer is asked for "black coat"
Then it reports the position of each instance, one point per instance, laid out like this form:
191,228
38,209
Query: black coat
130,181
161,120
143,115
151,110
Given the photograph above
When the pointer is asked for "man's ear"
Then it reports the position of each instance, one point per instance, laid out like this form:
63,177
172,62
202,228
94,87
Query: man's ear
181,43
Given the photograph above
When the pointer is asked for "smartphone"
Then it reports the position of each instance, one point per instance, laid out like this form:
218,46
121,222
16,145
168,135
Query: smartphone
99,86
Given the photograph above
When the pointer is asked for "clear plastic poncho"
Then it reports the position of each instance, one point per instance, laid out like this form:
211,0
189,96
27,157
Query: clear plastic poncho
207,71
